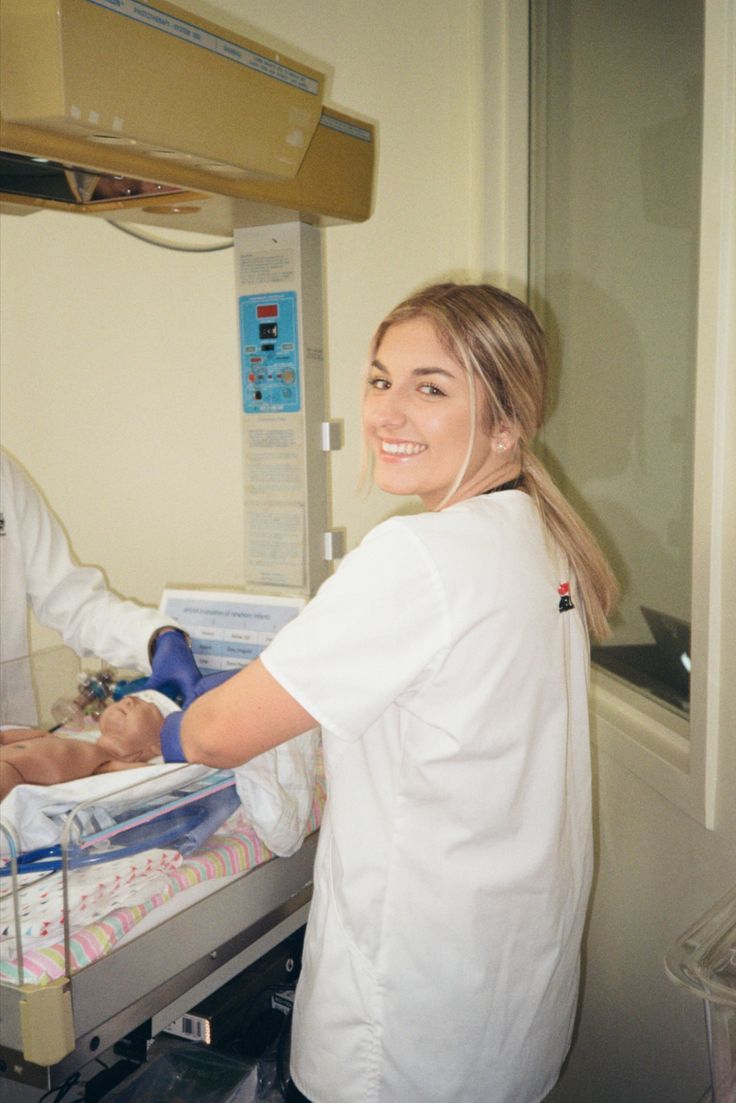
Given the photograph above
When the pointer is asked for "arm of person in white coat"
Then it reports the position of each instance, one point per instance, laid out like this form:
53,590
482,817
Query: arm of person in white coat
69,598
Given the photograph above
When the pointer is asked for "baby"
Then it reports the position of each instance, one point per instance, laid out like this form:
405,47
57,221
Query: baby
130,736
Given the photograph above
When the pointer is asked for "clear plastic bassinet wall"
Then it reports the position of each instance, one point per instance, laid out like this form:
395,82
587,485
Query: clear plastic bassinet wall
31,686
703,960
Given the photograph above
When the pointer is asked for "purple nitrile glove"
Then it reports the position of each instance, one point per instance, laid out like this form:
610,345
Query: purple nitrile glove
171,748
173,669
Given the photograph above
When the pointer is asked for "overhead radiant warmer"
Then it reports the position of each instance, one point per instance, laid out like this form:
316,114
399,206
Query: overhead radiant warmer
145,112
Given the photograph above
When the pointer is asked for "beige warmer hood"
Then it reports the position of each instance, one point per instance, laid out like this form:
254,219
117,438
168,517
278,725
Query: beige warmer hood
146,113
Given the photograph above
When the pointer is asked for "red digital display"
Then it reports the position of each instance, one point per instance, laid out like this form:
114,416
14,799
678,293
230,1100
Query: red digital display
270,310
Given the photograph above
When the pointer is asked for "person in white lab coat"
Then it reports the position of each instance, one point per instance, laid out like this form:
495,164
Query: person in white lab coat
447,663
36,567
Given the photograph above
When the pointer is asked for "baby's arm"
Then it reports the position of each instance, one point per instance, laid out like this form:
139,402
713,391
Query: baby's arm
14,735
47,761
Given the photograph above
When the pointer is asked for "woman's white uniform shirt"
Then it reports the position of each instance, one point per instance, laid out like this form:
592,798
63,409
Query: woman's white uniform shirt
36,566
454,861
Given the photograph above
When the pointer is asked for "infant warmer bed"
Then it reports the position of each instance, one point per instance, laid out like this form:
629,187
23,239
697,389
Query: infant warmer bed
128,906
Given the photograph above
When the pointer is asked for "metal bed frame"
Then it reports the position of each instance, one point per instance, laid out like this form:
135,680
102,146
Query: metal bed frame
155,977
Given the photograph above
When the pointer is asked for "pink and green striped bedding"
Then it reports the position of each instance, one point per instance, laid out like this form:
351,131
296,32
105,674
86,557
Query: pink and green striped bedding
107,902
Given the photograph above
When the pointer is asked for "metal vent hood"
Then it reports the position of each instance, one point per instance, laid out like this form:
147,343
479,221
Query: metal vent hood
146,113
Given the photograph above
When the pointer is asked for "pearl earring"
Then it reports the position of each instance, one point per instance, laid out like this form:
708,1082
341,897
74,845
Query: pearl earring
500,446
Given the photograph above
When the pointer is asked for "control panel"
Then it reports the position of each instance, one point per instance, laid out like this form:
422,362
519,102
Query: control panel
270,353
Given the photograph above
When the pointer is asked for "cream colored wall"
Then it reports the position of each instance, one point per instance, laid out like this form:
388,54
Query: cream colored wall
119,394
639,1038
120,384
150,487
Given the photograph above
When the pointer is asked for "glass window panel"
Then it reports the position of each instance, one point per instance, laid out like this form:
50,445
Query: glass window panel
617,89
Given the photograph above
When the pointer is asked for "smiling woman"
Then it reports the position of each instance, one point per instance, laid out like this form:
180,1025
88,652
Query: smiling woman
425,423
446,662
491,343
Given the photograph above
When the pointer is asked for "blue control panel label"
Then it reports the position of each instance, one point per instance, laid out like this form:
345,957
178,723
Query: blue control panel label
269,339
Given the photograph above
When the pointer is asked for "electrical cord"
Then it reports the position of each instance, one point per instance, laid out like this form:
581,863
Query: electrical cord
55,1095
161,243
283,1050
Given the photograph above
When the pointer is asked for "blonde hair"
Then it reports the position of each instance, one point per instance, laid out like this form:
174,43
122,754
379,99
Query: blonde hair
497,339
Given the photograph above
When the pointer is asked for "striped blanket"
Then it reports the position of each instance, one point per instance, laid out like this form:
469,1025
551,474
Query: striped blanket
107,901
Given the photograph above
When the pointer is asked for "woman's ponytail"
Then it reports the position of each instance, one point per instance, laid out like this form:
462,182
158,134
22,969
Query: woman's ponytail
597,586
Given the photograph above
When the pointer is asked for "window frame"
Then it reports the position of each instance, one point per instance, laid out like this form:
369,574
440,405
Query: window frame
678,757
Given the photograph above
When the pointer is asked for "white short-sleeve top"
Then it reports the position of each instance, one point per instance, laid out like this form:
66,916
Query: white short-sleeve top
454,861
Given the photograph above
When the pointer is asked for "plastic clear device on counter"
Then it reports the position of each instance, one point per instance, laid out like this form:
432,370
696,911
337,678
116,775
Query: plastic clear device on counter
703,960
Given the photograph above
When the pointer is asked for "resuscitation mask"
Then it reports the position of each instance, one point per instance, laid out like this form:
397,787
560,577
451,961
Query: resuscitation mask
94,693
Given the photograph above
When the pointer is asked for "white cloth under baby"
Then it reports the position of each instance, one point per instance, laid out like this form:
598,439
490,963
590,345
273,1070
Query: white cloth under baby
30,814
276,790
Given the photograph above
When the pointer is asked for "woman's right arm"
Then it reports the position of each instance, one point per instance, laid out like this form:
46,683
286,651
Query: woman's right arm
248,714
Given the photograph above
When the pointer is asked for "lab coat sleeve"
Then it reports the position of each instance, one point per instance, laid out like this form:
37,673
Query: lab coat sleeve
375,630
73,600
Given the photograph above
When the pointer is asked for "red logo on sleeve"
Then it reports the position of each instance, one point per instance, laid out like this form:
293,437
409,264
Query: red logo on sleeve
565,600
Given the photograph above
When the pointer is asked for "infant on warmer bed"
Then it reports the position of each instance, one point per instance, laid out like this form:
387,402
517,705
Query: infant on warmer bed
129,735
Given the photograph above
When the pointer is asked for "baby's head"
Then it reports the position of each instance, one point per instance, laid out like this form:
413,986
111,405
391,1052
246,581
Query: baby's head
131,727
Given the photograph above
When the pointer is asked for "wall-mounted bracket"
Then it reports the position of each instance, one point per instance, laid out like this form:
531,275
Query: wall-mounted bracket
334,544
332,436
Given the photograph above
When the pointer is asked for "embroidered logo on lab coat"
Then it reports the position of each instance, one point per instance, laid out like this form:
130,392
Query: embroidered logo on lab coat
565,600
